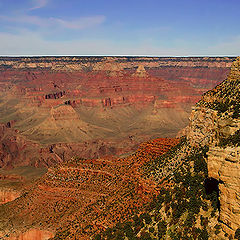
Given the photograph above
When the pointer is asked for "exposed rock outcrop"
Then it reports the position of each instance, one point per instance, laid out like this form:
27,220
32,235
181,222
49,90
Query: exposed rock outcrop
8,195
215,122
141,72
207,128
32,234
224,165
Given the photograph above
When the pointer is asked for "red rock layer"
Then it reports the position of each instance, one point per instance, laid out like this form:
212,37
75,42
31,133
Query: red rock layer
45,89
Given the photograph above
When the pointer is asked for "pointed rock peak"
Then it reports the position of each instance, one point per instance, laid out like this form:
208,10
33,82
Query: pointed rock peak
141,71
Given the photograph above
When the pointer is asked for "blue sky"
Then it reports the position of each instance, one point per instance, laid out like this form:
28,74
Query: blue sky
120,27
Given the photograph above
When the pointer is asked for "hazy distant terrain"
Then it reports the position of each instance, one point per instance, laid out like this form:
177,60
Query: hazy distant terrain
101,105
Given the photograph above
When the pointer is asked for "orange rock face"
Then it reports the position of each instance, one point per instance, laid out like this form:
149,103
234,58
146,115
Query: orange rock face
33,234
137,83
223,165
8,195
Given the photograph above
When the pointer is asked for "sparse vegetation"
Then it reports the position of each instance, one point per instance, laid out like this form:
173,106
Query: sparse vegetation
237,234
225,97
176,209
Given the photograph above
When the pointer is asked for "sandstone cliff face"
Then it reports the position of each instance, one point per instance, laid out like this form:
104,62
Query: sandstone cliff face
224,165
215,123
32,234
207,128
202,127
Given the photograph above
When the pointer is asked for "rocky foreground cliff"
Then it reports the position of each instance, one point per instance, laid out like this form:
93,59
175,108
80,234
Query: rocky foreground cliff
202,198
224,152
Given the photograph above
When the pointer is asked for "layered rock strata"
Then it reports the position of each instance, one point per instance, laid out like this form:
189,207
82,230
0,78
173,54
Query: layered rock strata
51,105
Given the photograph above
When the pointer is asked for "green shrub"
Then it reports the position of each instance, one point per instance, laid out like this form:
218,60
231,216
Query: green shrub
162,228
128,230
213,197
146,217
145,236
203,234
98,237
151,230
233,140
200,164
138,222
237,234
190,220
217,229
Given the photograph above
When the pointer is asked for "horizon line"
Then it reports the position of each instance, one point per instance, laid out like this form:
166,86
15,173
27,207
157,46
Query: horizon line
117,55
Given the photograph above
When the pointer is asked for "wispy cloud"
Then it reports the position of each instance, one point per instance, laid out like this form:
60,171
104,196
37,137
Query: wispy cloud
31,43
77,24
81,23
26,19
39,4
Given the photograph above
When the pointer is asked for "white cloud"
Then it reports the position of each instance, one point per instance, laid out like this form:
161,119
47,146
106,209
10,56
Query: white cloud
81,23
39,4
28,43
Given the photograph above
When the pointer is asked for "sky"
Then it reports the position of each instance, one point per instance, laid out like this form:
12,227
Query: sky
120,27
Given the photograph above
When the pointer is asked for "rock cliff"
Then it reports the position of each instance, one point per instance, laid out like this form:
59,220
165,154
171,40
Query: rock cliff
224,165
8,195
215,122
210,128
